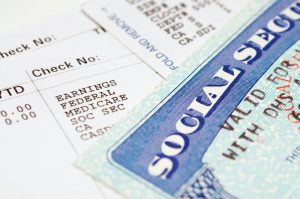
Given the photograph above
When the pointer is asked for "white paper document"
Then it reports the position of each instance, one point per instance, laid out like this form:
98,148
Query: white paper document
56,100
164,33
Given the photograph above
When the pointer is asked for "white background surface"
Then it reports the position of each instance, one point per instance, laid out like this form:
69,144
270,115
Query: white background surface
16,13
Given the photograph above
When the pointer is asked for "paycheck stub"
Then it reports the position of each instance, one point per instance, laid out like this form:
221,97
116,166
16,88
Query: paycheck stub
164,33
55,101
27,144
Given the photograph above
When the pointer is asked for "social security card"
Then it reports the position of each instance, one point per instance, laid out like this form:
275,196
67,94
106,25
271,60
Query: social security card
231,129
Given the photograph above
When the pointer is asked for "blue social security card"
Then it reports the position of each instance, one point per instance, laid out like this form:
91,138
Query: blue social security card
230,129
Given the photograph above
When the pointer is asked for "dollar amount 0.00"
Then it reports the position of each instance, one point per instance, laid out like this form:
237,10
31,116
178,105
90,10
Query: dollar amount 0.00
23,113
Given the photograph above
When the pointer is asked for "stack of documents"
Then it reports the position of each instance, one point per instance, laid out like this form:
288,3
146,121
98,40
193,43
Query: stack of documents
151,99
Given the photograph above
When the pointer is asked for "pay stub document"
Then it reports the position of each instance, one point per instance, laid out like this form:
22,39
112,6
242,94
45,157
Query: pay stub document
165,33
64,83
